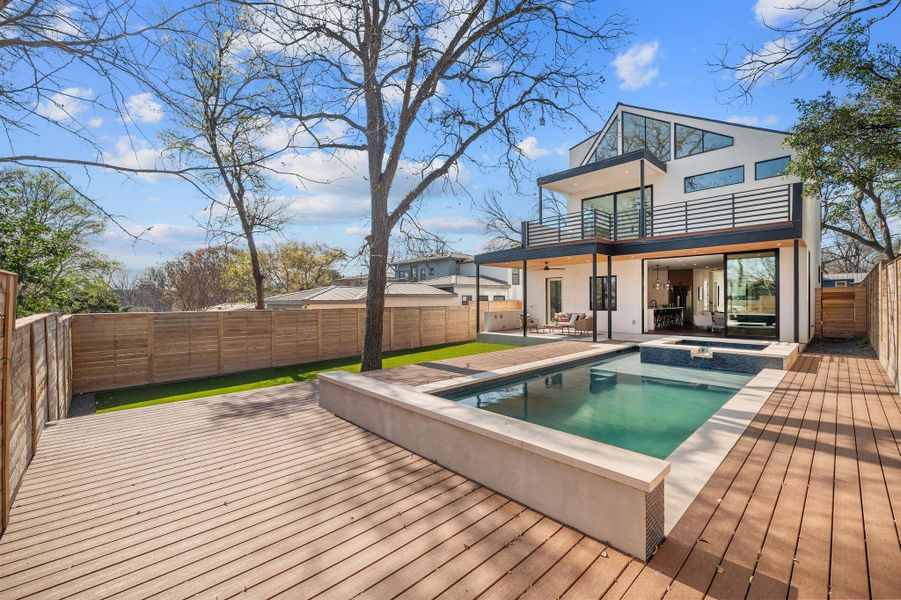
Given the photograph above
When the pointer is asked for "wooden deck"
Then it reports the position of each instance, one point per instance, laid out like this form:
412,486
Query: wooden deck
265,495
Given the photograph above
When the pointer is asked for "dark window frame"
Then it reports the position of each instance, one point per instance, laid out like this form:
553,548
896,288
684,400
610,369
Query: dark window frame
498,298
592,295
514,277
760,162
622,140
431,271
703,131
616,127
777,335
713,187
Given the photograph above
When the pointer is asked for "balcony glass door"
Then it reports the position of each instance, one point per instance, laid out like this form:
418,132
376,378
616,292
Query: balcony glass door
625,205
554,298
752,294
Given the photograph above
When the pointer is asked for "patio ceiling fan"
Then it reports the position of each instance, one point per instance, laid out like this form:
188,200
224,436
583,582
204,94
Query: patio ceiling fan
547,268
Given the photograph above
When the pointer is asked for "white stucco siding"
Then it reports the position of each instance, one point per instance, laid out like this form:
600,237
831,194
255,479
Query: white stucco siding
749,146
575,278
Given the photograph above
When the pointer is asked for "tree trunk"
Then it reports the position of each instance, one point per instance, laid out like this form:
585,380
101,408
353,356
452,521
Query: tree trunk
375,301
259,293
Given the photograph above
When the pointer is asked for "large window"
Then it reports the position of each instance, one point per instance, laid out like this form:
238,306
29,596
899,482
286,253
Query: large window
644,132
597,287
625,205
691,140
771,168
752,294
608,147
705,181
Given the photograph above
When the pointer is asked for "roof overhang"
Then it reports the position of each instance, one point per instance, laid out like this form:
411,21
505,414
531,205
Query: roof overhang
594,174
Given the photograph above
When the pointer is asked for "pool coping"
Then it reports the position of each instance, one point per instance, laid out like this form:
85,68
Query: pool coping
787,352
695,460
449,385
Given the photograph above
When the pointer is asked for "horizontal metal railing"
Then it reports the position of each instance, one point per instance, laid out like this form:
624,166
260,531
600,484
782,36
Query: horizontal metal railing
725,211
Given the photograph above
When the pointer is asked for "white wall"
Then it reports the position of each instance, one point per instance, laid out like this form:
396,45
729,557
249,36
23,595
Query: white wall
626,317
750,146
500,273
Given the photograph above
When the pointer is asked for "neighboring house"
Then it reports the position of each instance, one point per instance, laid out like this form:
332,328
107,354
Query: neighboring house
674,223
842,279
502,283
334,296
464,286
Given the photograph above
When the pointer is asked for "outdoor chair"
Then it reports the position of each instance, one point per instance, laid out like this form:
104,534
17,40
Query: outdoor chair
531,323
564,321
584,326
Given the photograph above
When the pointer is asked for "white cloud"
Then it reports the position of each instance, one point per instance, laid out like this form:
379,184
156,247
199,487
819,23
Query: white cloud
95,122
768,120
136,154
776,13
143,108
358,230
530,148
451,224
774,52
66,104
635,67
334,188
157,242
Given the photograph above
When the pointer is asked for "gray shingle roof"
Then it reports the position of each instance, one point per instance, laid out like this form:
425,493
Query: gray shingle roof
450,280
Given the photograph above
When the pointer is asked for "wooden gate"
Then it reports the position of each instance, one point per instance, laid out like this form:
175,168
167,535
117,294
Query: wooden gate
841,312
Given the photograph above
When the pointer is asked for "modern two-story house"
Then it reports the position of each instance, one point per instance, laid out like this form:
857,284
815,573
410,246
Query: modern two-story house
456,272
675,223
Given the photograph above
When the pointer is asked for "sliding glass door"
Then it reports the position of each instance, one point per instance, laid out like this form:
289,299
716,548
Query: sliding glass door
554,298
752,294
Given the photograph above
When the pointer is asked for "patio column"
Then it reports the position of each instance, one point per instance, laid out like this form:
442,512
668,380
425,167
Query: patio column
524,280
478,303
642,216
609,297
540,204
594,296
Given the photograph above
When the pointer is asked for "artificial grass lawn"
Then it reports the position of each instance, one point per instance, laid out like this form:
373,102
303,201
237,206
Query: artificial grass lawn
251,380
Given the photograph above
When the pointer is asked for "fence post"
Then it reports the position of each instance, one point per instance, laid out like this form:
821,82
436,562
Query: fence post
8,314
151,325
219,343
34,392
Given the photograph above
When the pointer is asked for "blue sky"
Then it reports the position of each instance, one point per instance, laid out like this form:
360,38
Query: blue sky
664,64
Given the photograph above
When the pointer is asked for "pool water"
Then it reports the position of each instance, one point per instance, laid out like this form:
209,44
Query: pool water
647,408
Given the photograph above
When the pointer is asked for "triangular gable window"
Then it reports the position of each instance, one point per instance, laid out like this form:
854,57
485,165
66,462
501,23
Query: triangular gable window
691,140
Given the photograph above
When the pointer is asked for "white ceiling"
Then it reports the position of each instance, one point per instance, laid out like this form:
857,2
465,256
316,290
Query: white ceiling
709,261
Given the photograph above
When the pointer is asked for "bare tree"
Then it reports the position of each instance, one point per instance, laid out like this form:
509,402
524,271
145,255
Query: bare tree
504,229
799,30
193,281
418,88
211,90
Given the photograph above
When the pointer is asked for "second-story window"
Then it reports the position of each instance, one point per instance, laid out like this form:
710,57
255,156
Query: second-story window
431,271
644,132
422,273
514,279
608,147
775,167
691,140
714,179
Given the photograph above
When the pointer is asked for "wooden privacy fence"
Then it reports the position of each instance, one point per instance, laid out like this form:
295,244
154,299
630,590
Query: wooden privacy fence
36,385
119,350
841,312
883,285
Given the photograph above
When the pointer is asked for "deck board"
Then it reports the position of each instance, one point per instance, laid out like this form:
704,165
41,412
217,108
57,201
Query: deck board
262,494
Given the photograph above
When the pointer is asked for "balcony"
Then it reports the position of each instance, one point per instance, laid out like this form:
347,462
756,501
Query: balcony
759,207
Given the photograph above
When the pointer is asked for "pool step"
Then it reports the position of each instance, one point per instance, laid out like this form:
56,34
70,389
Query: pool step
600,378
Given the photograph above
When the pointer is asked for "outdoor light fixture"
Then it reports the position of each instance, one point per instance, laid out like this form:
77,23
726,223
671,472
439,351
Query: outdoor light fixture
657,283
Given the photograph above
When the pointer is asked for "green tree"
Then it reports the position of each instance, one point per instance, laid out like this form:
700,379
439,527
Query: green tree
849,149
287,267
46,230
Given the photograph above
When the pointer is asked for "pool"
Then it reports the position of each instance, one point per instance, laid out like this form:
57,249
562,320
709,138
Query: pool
647,408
